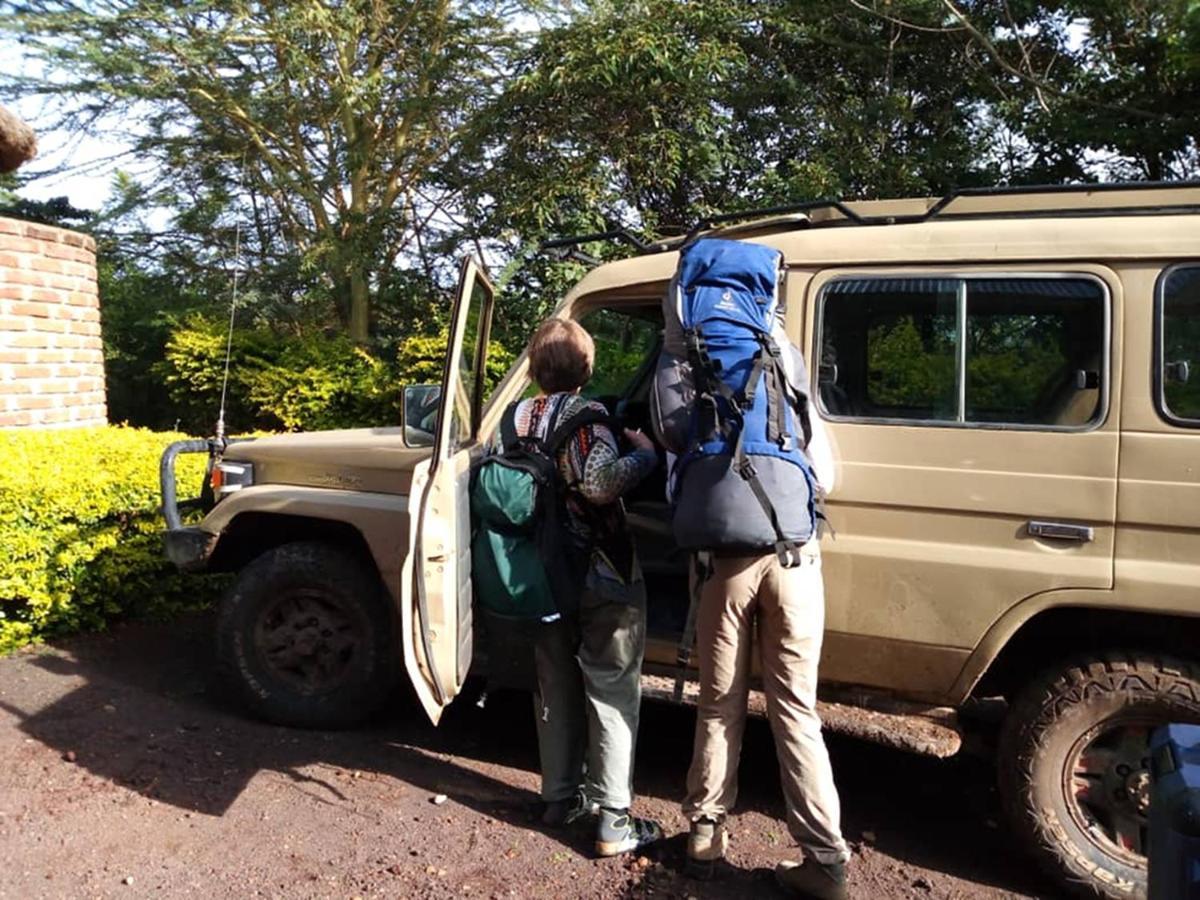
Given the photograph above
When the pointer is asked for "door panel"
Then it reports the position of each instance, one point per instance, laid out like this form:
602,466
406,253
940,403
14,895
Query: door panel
932,542
1158,545
436,617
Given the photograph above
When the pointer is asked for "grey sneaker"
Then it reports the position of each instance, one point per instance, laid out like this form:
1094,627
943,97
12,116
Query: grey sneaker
813,880
619,832
707,844
561,813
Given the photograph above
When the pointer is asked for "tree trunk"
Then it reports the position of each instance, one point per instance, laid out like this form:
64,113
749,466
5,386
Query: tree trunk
360,307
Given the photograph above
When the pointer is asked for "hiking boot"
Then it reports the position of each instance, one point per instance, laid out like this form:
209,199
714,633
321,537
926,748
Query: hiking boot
814,880
619,832
561,813
707,843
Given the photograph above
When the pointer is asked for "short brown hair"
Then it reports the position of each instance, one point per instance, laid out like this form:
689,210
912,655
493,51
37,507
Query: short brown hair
560,356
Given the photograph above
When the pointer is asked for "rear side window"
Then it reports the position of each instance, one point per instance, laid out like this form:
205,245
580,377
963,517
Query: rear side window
1003,350
1179,345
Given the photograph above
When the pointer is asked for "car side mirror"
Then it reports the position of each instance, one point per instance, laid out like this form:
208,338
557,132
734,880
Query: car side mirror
1178,372
418,413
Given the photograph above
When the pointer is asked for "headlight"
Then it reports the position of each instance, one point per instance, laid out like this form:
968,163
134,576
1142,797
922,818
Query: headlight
228,477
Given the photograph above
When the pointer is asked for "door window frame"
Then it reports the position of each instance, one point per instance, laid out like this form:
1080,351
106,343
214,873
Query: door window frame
1159,357
1103,407
443,445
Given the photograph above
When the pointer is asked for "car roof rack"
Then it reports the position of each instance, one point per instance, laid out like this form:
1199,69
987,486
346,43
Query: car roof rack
907,211
567,247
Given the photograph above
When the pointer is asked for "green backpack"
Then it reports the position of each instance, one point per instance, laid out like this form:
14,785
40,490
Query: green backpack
525,562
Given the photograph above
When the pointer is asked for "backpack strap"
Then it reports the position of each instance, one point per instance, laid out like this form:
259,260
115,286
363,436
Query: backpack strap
786,549
701,572
508,427
564,430
709,386
779,396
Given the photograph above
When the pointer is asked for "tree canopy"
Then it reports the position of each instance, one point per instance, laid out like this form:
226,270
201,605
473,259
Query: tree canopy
362,144
322,125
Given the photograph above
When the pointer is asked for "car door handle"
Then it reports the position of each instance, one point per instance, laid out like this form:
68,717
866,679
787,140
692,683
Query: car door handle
1060,531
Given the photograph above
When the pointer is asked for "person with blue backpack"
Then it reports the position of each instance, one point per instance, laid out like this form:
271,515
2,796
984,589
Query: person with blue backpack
551,545
751,466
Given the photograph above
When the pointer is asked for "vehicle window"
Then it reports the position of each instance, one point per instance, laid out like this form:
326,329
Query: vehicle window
464,423
1034,350
1179,355
889,348
995,350
625,340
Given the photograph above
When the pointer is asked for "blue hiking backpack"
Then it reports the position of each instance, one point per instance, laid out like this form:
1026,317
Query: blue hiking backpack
730,399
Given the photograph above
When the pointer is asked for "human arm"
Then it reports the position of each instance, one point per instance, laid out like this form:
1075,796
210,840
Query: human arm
607,475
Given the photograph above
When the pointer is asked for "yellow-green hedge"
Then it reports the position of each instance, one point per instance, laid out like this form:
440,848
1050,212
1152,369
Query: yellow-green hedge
80,534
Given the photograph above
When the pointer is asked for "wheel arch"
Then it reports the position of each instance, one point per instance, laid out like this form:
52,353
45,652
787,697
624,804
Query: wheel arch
255,520
1018,647
251,534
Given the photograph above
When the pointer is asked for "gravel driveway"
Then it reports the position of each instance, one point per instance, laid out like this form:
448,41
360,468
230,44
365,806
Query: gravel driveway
126,776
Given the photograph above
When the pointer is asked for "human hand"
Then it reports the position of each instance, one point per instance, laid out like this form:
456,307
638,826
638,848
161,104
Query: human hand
639,440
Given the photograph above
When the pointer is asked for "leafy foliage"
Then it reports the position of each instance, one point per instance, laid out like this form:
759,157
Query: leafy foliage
912,371
1090,88
80,537
362,145
623,344
1181,343
306,382
321,125
652,112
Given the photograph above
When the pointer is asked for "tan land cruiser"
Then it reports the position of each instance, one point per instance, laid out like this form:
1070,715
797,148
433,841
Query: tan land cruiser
1007,378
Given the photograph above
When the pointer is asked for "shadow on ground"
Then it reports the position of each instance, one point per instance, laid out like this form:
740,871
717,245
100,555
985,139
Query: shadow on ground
138,710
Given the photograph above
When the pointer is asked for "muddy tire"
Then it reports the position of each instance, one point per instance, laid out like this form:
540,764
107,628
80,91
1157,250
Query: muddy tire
1073,765
304,637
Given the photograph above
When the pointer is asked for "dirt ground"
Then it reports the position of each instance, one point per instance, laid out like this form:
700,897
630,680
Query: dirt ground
127,775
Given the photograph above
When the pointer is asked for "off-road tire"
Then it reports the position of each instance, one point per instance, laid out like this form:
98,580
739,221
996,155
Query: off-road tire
1054,712
350,627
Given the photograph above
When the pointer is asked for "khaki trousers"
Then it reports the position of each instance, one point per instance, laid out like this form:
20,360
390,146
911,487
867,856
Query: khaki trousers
788,606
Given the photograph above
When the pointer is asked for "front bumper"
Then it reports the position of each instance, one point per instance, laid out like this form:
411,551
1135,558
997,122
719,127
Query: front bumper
189,548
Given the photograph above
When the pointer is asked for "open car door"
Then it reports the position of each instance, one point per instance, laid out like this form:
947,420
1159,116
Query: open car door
435,608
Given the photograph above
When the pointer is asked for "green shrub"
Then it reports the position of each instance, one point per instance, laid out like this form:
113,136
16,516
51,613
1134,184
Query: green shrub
298,382
420,359
80,540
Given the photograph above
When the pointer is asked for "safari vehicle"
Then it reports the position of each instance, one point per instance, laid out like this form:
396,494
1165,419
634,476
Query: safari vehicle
1008,377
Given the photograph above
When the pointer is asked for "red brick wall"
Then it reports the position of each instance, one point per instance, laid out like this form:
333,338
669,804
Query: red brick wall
51,357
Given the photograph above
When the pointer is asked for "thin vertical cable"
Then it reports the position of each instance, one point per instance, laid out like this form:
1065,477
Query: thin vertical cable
237,262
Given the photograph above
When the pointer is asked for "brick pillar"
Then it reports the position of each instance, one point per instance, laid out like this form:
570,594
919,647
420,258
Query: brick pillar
51,356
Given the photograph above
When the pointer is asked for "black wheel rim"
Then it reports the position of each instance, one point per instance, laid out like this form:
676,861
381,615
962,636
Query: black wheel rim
1106,784
310,640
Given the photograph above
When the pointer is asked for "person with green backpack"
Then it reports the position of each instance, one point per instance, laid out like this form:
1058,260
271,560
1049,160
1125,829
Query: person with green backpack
551,544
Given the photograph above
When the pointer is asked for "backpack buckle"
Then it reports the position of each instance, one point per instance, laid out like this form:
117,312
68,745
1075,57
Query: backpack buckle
769,346
745,468
788,553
